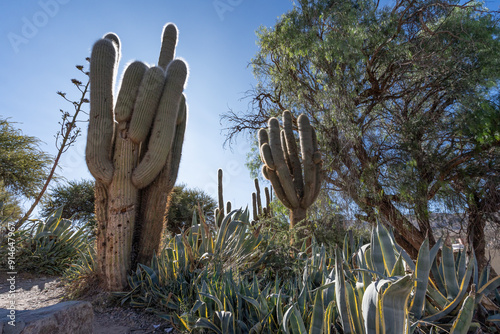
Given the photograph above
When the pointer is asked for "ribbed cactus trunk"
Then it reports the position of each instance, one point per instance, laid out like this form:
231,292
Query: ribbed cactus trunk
133,151
296,179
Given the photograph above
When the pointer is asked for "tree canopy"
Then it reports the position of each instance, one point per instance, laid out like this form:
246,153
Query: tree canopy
183,203
23,165
77,199
396,94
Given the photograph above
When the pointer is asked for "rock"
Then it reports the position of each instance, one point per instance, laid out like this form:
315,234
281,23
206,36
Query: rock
68,317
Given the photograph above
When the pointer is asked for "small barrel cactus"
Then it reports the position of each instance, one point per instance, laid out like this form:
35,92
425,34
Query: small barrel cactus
296,183
133,151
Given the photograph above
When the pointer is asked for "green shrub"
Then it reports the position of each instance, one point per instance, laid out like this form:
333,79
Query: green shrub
48,247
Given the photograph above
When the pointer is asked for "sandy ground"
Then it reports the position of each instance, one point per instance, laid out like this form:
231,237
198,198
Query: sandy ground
33,292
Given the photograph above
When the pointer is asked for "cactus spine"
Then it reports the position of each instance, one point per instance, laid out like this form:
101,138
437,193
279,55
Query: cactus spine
133,151
297,184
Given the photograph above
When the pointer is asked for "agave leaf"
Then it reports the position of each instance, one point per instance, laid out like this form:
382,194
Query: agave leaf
492,285
303,298
399,269
329,318
451,306
387,246
341,295
450,275
354,304
329,288
460,265
252,302
377,256
316,325
394,306
463,321
286,319
206,323
422,270
495,318
214,298
296,322
227,321
369,304
406,256
483,279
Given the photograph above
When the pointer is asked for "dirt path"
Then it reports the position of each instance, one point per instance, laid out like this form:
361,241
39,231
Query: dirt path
34,292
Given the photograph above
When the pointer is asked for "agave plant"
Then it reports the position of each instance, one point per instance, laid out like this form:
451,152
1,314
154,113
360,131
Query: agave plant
171,281
50,246
209,279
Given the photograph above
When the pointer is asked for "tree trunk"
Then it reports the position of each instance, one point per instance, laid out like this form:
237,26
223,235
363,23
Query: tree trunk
297,216
475,229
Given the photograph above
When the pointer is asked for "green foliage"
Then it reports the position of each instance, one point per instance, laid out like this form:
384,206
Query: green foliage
391,90
23,165
49,246
370,288
76,199
183,202
170,281
10,208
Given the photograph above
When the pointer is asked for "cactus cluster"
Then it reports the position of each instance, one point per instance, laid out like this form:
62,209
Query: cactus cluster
133,151
296,178
260,211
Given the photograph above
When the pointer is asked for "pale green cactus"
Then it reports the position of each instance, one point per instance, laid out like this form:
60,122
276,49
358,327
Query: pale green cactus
296,183
133,151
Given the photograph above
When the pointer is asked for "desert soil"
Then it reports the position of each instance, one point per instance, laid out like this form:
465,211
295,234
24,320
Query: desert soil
33,292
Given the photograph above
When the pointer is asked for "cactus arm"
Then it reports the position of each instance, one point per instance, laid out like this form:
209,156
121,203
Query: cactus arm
268,201
267,156
285,179
101,124
263,137
130,83
116,41
163,131
254,207
306,144
155,196
278,189
259,202
146,104
169,42
293,152
318,161
176,150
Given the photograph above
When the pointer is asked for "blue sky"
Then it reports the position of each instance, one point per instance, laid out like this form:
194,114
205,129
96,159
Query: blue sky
42,41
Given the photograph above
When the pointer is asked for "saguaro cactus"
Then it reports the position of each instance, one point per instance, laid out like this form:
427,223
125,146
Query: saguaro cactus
297,184
133,151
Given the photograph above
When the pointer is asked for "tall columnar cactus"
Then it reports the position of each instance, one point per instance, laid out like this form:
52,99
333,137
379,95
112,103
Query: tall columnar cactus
296,183
133,151
219,213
